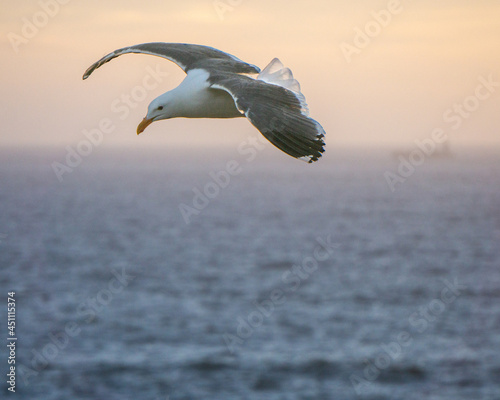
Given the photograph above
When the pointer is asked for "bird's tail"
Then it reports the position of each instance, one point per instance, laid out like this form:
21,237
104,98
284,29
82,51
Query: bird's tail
276,74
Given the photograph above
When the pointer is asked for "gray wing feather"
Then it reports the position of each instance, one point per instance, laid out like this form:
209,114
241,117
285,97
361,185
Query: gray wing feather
186,56
277,113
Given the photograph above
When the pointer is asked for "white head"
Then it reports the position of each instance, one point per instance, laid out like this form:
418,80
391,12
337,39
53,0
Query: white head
158,109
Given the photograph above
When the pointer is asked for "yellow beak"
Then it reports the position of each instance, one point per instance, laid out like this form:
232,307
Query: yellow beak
144,124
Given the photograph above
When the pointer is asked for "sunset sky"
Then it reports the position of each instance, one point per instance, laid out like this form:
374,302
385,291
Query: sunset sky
420,60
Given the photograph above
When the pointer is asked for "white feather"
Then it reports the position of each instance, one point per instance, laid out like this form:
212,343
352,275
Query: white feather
276,74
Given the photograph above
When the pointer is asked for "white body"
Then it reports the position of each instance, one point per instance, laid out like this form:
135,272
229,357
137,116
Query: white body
193,98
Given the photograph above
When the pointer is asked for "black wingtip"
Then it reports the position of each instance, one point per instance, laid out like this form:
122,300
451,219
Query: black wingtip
89,71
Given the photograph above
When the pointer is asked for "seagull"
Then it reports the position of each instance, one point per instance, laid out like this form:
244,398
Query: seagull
220,85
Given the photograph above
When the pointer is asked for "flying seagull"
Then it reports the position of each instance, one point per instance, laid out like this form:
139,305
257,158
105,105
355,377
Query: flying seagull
219,85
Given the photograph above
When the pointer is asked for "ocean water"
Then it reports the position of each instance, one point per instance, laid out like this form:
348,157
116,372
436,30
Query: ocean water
291,281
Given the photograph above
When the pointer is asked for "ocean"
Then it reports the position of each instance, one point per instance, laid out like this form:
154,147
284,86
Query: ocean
175,273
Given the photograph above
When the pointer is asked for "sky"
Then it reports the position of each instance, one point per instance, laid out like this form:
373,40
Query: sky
374,73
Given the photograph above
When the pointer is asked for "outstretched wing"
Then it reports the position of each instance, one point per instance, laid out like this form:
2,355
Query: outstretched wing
278,113
186,56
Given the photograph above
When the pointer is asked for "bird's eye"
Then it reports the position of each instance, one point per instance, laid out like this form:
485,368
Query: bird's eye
160,108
